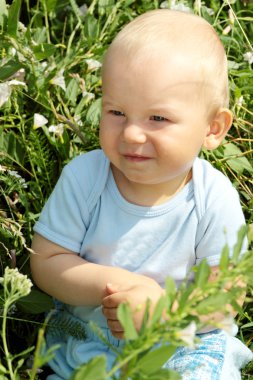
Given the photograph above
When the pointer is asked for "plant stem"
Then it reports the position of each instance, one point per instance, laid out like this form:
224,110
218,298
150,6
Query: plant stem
123,362
4,340
37,354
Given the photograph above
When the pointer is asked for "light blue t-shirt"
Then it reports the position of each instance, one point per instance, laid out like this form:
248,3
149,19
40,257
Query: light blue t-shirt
87,214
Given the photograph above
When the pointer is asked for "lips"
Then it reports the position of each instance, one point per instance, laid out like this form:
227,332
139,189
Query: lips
135,157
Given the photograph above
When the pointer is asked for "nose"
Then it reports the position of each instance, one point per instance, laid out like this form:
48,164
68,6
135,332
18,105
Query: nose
134,134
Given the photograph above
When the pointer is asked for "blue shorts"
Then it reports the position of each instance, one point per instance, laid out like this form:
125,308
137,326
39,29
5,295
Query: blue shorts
203,362
218,356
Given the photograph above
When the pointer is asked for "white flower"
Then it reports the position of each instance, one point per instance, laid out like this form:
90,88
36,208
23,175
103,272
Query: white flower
228,325
187,335
14,173
21,180
6,89
15,284
88,95
15,82
231,16
226,30
248,57
39,120
210,11
13,51
239,101
93,64
78,120
44,64
57,129
83,9
19,76
164,4
22,27
22,183
182,8
59,80
177,7
5,93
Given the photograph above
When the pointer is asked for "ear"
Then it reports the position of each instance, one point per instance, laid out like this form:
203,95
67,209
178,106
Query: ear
218,128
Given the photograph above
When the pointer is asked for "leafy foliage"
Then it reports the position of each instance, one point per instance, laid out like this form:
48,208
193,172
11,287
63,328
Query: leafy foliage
51,52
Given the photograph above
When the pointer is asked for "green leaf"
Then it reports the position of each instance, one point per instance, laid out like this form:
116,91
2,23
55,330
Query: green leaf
3,13
2,369
236,307
72,90
213,303
126,320
91,28
238,163
12,146
224,260
145,316
10,68
40,35
13,18
155,359
202,274
164,374
94,113
43,51
159,308
170,287
95,369
44,355
171,291
36,302
242,233
51,5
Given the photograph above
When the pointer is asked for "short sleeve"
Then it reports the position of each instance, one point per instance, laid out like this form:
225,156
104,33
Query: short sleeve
64,217
219,226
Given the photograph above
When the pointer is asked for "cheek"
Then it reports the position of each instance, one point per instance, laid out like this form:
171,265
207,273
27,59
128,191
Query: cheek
107,136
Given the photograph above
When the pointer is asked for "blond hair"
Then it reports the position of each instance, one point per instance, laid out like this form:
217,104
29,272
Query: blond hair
164,32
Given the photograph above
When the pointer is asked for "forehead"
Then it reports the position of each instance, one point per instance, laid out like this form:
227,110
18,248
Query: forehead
156,70
148,88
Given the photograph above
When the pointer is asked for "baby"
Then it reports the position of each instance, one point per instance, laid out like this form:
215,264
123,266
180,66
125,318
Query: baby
144,207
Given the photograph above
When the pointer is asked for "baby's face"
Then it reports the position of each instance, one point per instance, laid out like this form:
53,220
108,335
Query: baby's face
153,119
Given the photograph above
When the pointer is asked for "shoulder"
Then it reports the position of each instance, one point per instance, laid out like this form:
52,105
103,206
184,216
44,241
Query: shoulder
94,160
211,187
89,173
88,167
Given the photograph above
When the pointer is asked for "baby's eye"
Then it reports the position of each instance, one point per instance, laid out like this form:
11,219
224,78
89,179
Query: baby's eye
116,113
158,118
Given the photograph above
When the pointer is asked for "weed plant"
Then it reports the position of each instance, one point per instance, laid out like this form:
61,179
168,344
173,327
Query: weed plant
50,93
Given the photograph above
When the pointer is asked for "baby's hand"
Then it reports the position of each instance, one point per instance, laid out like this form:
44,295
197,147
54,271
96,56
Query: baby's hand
136,296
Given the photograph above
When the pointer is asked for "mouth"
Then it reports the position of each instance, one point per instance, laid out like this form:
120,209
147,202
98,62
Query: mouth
135,157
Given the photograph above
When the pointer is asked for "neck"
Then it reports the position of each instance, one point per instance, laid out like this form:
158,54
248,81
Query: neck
149,194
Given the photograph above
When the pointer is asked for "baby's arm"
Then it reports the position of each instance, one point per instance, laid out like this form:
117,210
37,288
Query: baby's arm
69,278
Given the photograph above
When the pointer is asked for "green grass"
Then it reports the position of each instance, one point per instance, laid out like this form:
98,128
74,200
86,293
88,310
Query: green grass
46,46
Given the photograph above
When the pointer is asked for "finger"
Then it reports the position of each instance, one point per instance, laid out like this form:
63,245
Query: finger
110,313
111,288
115,326
118,335
114,300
